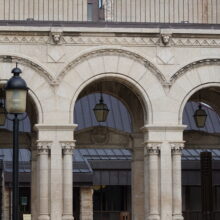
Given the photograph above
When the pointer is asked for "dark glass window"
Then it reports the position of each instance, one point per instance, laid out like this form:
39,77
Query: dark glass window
110,201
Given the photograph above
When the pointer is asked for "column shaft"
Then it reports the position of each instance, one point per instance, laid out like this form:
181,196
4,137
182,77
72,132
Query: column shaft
67,180
34,184
153,162
177,184
43,150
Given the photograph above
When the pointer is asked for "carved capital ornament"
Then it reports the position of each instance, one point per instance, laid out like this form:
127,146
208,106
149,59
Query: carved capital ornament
43,147
67,147
177,148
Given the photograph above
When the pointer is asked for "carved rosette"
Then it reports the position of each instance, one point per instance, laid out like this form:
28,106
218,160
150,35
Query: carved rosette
68,147
177,148
43,147
152,148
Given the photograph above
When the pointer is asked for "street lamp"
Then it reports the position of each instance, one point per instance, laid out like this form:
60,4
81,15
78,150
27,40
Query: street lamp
200,117
101,110
15,103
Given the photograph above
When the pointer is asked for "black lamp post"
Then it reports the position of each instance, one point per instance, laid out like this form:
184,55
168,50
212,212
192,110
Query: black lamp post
101,110
15,103
200,117
2,113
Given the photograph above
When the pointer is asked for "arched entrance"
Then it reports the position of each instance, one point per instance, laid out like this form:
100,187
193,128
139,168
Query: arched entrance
27,157
120,133
201,155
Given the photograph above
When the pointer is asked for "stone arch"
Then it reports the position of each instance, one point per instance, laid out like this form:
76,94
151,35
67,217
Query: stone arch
30,62
37,78
191,78
193,65
190,94
135,87
116,51
110,63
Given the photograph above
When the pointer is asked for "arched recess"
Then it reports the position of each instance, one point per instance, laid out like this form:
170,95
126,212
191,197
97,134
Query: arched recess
105,138
123,91
188,80
201,152
38,89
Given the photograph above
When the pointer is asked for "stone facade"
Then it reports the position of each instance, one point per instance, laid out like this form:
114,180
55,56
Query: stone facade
162,67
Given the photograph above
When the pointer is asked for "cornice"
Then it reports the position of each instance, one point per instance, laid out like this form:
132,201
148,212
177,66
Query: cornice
163,127
111,37
50,127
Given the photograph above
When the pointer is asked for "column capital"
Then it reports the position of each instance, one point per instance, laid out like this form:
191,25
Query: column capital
177,147
43,147
68,146
152,148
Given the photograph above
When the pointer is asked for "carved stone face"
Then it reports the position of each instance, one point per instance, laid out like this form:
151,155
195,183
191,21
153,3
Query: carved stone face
56,38
166,39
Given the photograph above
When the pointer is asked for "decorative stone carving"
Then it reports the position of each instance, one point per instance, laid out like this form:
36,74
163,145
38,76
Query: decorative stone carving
165,38
152,148
43,147
177,147
67,146
100,135
57,37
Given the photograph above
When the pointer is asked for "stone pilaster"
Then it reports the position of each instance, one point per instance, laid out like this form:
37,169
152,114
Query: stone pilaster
67,147
177,184
43,148
160,168
86,203
152,151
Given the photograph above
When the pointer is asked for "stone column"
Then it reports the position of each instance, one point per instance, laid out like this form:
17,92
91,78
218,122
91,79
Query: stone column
177,184
34,184
43,152
68,147
86,203
137,178
152,150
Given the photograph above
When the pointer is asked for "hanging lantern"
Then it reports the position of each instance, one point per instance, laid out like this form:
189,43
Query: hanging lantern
16,93
200,117
101,110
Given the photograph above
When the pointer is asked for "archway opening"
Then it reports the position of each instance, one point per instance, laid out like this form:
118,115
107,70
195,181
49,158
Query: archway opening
107,149
27,136
201,157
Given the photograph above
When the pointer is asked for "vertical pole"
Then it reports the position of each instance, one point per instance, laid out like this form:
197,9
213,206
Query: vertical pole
15,203
206,184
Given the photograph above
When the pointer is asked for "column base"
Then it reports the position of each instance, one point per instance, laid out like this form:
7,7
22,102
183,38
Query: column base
67,217
154,217
43,217
177,217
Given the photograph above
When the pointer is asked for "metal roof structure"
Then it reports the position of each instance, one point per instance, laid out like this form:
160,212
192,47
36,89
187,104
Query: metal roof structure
194,154
83,158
